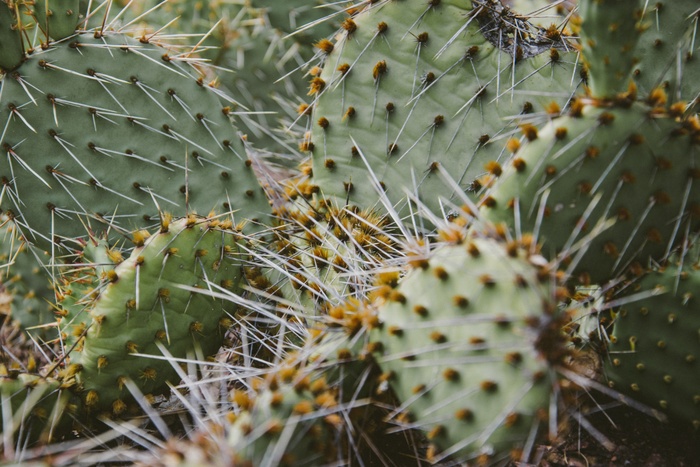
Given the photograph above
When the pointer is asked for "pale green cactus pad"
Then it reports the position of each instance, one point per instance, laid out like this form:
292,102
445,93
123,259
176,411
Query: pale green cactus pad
24,279
34,408
654,347
467,340
287,426
260,49
78,286
411,85
109,131
609,34
11,53
57,19
583,186
667,52
151,305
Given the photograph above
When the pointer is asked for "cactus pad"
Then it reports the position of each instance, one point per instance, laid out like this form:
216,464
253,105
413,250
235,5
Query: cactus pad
466,341
23,278
412,85
609,35
583,185
654,347
33,408
142,307
111,130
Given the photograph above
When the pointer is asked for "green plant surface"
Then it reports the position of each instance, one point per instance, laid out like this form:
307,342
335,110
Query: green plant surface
371,312
108,131
151,304
411,85
468,340
583,185
609,34
667,52
58,19
78,286
259,49
654,347
12,51
25,280
33,409
287,426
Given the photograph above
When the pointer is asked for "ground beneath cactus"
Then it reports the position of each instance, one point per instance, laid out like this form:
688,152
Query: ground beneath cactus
638,441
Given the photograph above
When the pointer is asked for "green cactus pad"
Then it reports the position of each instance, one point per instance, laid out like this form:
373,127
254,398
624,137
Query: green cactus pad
33,408
301,17
254,54
12,50
78,286
143,309
306,409
24,279
111,130
609,35
466,341
413,84
57,18
287,426
606,188
667,52
654,347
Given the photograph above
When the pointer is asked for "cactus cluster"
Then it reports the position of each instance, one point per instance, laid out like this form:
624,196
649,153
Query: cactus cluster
412,293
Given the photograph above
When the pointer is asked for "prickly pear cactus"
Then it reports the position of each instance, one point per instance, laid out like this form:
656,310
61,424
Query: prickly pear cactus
666,53
23,277
33,408
78,287
308,20
582,184
609,34
467,340
322,253
309,407
106,130
287,425
12,51
654,347
57,19
261,49
157,304
412,85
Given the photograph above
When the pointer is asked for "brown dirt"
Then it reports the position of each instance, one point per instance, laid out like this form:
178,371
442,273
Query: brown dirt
638,441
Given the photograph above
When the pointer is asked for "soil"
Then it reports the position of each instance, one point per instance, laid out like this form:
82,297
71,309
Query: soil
637,441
